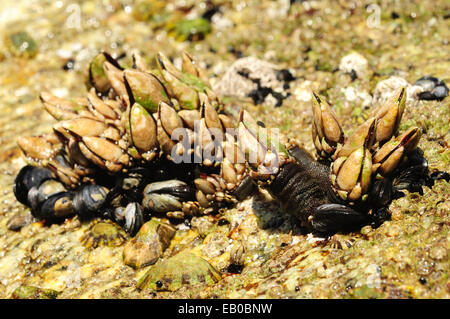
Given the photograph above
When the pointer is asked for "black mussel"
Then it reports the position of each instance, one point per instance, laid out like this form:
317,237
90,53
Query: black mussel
57,207
331,218
434,88
118,215
379,216
133,182
245,188
28,177
89,200
37,195
381,192
134,218
440,175
413,174
167,196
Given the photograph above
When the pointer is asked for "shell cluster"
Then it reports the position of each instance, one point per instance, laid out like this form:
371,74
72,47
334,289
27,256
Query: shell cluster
117,152
147,142
373,151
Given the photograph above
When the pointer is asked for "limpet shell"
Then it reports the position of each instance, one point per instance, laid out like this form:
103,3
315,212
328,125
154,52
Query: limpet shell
182,269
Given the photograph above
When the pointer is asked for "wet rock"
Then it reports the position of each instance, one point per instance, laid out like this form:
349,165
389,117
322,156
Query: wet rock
424,267
393,230
438,253
433,88
149,244
264,82
144,10
203,224
215,245
365,292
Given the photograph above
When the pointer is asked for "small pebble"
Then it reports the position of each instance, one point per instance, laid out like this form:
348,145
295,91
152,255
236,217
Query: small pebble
393,231
18,221
438,253
355,65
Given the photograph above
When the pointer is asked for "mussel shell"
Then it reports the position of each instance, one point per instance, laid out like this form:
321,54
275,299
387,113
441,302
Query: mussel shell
39,194
173,187
379,216
136,176
162,203
134,219
28,177
118,215
89,199
440,175
132,187
57,207
167,196
428,83
381,192
245,188
434,88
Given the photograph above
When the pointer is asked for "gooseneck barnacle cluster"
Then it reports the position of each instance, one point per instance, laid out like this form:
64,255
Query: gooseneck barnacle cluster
159,141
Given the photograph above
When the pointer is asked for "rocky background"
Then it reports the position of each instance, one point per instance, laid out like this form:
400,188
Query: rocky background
265,56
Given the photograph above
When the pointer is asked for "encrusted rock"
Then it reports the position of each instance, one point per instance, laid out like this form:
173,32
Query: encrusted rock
149,244
204,224
438,253
264,82
354,64
385,88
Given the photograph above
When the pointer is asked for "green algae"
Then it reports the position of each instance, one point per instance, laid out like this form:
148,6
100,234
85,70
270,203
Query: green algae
29,292
21,44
